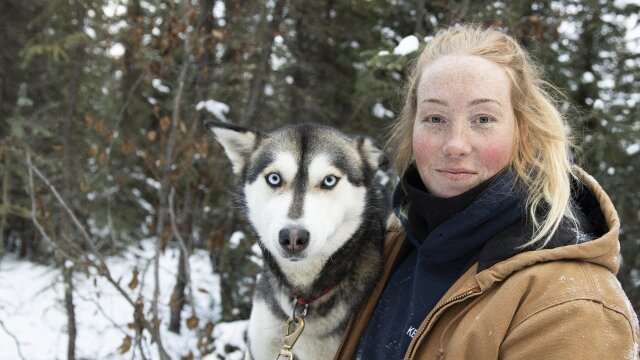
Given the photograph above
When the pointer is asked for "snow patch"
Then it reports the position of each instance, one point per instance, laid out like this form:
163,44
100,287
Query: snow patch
236,238
381,112
90,32
598,104
407,45
388,32
268,90
216,108
218,10
588,77
158,85
113,9
32,310
631,150
116,51
230,336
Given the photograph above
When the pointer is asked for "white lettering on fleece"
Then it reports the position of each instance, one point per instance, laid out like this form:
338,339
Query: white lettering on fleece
412,331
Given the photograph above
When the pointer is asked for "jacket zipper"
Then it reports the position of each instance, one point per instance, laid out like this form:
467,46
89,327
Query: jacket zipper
344,337
390,255
425,325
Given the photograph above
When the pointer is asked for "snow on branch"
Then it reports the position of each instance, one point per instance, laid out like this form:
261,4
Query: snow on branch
216,108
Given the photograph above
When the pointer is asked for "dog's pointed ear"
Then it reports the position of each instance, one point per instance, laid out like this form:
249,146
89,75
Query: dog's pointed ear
238,142
372,152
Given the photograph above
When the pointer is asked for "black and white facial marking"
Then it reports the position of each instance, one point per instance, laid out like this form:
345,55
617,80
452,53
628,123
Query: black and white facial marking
305,191
302,197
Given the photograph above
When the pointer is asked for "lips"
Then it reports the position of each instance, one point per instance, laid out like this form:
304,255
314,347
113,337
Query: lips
456,173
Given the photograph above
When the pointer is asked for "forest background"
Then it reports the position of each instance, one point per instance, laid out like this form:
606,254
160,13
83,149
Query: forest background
102,103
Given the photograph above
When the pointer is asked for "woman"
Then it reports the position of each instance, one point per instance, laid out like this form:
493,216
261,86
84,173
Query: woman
505,250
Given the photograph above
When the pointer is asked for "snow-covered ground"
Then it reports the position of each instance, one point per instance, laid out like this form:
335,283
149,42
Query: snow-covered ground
32,310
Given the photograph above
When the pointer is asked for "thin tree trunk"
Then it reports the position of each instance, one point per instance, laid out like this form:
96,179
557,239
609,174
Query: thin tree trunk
298,102
67,174
462,13
587,90
419,25
72,332
5,201
227,284
131,72
164,184
67,275
178,297
206,25
262,69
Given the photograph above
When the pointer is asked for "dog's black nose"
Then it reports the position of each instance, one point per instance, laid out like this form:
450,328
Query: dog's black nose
293,239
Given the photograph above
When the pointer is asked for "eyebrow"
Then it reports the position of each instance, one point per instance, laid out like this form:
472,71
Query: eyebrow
484,100
436,101
472,103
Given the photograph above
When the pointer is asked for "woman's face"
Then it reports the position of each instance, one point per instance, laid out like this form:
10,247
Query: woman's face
464,130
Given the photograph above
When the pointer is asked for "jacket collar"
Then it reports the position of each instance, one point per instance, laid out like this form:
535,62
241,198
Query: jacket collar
595,242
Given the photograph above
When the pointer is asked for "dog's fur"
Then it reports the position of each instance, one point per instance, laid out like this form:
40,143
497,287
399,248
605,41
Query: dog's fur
344,221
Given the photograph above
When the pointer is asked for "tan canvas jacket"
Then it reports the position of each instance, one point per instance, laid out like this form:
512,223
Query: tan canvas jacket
561,303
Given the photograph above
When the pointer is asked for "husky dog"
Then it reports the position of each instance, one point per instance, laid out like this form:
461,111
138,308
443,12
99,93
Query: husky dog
310,194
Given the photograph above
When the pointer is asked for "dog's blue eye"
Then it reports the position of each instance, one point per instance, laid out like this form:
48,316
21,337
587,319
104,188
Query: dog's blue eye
329,181
274,179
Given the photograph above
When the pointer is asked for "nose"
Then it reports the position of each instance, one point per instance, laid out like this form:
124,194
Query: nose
457,141
293,239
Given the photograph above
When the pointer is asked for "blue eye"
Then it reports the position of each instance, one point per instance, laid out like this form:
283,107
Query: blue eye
433,119
484,119
330,181
273,179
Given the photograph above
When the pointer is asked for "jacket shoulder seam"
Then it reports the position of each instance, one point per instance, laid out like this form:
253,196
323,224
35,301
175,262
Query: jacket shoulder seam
567,301
590,292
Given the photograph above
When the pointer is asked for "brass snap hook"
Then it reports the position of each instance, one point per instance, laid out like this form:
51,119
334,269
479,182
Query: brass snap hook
290,337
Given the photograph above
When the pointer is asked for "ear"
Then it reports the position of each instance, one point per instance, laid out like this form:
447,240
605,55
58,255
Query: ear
371,152
238,142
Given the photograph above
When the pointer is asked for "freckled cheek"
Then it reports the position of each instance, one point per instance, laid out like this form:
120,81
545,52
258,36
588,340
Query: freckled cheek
496,155
423,149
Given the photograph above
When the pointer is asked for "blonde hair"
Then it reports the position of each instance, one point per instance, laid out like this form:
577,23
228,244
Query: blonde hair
541,154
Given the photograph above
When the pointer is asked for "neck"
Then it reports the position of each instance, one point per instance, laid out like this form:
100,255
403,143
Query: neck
299,276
